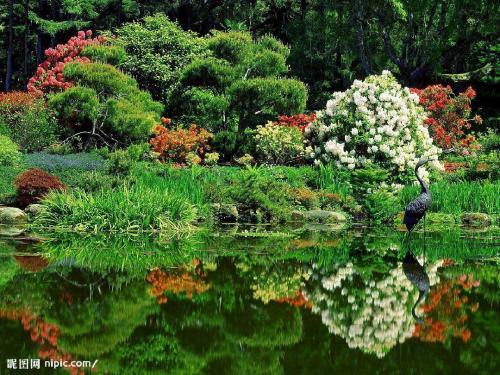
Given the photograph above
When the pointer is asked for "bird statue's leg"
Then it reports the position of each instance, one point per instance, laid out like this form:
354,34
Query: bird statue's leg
425,214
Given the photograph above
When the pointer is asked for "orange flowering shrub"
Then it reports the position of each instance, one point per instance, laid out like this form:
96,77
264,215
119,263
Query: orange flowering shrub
299,121
297,300
178,144
447,311
33,184
163,282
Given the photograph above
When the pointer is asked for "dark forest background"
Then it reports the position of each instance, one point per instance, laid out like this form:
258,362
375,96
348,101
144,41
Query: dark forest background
332,42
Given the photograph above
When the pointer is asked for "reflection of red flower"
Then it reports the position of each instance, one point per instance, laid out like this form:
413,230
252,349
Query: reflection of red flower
446,309
163,282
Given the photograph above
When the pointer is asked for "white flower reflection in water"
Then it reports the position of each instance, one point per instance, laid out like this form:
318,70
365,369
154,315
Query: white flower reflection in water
370,315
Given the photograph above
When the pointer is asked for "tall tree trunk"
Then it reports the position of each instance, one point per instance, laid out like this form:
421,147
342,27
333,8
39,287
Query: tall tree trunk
26,41
39,37
53,14
359,33
10,46
119,12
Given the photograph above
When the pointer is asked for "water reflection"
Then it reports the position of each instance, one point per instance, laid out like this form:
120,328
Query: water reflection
298,307
416,274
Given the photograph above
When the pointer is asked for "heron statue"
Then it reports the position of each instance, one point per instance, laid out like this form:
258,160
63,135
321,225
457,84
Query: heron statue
415,272
416,209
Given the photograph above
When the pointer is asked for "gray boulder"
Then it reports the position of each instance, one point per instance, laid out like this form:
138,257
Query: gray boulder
35,209
12,215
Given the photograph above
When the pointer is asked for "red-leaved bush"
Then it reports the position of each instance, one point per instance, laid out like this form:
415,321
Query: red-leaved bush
49,74
34,184
299,121
449,115
175,144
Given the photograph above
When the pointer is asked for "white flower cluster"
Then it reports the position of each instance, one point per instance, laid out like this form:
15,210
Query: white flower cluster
375,121
370,315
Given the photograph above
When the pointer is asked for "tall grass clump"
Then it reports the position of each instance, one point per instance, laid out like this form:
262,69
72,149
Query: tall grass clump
129,209
456,198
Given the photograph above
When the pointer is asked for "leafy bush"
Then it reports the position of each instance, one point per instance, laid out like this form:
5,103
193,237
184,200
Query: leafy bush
25,118
52,163
105,104
490,142
240,86
121,161
34,184
9,152
7,184
156,50
260,99
260,199
279,144
448,115
176,144
378,122
49,75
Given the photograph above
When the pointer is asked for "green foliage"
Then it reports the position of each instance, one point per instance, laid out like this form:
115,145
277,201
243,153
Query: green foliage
240,86
121,161
31,125
489,141
279,144
106,54
9,152
261,99
8,189
157,49
105,103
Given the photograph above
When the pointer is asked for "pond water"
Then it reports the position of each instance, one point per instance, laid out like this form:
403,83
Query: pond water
248,300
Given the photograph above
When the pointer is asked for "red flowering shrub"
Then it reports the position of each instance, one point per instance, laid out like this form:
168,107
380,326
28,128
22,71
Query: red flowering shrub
449,115
33,184
177,144
296,121
49,74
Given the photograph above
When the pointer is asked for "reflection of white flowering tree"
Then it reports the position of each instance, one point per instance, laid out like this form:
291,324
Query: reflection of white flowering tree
374,121
372,315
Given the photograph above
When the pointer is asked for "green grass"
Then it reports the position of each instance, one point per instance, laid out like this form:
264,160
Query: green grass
132,208
456,198
7,187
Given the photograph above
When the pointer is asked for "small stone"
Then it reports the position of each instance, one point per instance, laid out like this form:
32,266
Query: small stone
226,212
35,209
476,219
12,215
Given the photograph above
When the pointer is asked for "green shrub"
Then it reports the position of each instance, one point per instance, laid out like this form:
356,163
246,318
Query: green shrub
114,55
8,190
157,49
279,144
241,86
106,104
258,100
9,152
490,142
26,119
121,161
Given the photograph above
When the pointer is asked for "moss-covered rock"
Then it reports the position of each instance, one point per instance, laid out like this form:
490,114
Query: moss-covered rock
12,215
476,219
319,217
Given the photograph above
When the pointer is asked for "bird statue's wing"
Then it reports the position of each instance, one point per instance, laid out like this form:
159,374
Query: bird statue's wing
417,206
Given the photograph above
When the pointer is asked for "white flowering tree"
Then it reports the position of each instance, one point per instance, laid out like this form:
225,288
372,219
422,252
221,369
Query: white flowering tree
376,121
